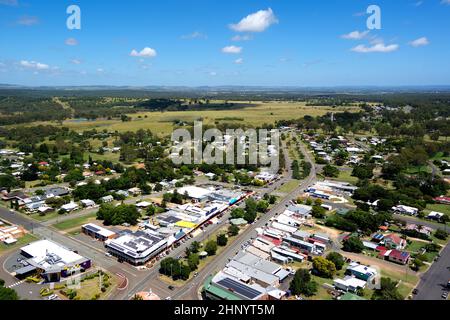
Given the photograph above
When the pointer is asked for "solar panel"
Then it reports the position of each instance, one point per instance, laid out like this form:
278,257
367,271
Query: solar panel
239,288
92,228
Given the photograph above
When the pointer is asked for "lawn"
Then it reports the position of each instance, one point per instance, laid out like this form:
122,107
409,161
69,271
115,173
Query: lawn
442,208
415,170
289,186
26,239
75,222
346,176
46,217
415,246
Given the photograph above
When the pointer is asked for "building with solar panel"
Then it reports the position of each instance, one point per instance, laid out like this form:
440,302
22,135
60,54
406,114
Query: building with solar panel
225,287
137,248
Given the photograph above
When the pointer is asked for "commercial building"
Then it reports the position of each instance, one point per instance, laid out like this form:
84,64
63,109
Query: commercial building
224,287
137,248
53,261
98,232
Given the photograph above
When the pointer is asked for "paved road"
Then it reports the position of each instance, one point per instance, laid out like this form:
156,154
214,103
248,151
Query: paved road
190,290
426,223
433,282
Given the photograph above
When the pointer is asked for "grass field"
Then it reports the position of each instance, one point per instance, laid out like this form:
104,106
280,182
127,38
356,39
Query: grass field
256,114
289,186
26,239
346,176
75,222
442,208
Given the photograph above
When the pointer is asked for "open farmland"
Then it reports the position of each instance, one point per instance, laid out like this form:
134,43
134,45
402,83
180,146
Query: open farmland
163,122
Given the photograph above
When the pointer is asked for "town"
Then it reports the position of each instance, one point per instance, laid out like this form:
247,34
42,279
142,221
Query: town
224,158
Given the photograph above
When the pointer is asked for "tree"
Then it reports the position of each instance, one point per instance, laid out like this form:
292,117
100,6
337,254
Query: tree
337,259
388,291
363,172
211,248
222,240
441,234
318,212
233,230
7,294
302,284
330,171
324,267
262,206
195,247
193,261
237,213
353,244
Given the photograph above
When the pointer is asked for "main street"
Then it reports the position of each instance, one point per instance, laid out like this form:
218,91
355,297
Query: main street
192,288
144,280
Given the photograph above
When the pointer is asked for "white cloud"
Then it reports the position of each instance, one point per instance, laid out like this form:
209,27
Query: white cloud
418,3
380,47
71,42
194,35
256,22
355,35
28,21
213,73
144,53
239,61
419,42
75,61
232,49
34,65
245,37
100,70
447,2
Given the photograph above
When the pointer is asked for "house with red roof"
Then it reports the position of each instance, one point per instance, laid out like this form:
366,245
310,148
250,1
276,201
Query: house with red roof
397,256
394,241
442,200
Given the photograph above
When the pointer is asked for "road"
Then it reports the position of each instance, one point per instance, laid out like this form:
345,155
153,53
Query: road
191,289
426,223
149,279
434,281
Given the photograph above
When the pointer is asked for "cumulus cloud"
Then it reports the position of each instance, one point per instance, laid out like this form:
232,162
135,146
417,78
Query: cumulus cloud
232,49
194,35
33,65
71,42
239,37
419,42
355,35
28,21
144,53
75,61
256,22
239,61
379,47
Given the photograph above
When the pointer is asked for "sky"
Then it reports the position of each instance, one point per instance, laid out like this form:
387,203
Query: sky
232,42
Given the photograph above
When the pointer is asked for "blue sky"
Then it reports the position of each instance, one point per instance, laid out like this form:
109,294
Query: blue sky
206,42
